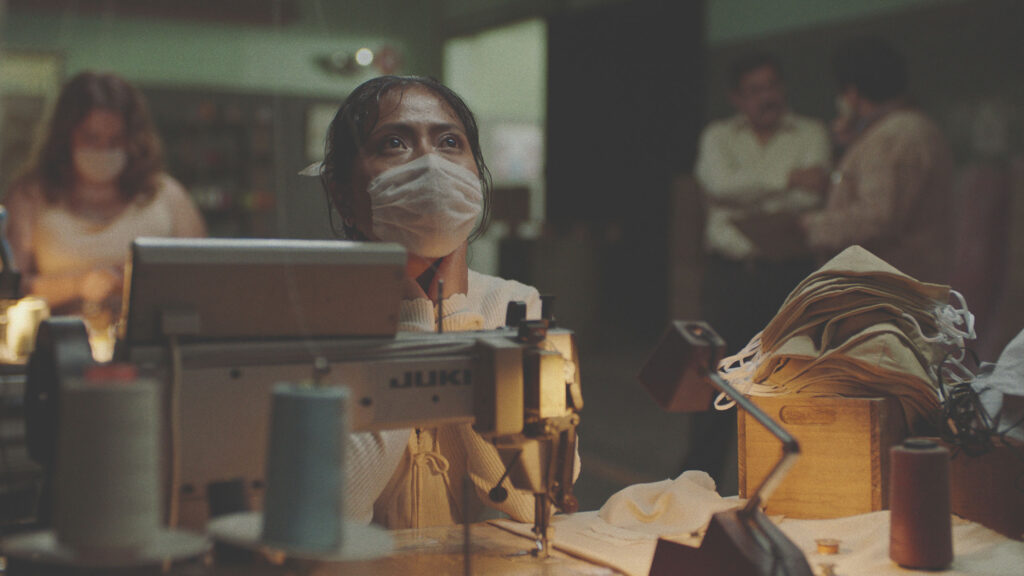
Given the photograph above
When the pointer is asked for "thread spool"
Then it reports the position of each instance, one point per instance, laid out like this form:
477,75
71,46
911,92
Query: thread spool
303,506
827,546
920,531
107,483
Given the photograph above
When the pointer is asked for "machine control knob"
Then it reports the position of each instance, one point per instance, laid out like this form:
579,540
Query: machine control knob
547,308
532,331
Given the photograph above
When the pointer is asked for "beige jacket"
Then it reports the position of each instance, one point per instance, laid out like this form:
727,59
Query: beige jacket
414,478
892,194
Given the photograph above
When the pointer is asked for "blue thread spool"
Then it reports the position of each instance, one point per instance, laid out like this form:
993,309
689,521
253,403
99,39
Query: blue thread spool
304,508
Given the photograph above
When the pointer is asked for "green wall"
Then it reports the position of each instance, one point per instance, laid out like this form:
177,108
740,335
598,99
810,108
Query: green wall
732,20
234,57
502,73
726,20
281,59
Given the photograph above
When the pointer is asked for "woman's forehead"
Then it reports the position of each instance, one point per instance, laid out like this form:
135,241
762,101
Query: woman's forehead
416,104
102,119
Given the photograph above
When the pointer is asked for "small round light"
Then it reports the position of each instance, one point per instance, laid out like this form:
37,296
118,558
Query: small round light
364,56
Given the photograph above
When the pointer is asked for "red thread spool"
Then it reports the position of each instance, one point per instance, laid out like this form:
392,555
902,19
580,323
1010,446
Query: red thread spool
920,532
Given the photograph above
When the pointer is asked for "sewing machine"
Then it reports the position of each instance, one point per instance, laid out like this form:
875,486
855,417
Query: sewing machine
219,322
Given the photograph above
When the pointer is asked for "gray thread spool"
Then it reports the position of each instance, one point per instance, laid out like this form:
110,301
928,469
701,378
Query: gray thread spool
920,531
107,482
303,508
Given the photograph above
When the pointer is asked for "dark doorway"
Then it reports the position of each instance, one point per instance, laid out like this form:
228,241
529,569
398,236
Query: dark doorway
625,107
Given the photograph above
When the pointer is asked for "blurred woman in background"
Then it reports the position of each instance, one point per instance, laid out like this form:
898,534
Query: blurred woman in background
95,183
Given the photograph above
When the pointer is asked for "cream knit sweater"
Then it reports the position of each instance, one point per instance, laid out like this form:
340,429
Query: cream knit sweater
414,478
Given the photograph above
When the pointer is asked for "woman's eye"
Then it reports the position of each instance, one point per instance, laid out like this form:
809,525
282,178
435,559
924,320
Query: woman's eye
393,143
450,142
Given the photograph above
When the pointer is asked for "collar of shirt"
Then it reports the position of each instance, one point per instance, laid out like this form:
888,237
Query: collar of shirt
741,123
869,122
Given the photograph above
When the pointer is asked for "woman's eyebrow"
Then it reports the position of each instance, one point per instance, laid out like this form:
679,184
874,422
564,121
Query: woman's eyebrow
446,127
404,128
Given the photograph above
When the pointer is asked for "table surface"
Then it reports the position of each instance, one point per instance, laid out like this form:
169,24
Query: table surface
585,546
434,552
863,548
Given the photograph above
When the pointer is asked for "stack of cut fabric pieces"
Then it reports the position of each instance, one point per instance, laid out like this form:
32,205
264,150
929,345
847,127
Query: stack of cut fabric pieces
859,327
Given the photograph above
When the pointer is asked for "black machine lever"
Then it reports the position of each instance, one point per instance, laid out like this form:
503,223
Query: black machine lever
499,493
515,313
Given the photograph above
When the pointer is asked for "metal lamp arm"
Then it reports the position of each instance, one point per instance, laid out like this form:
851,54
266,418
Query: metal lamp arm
790,447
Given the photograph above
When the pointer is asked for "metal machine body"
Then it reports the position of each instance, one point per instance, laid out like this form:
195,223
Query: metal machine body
516,393
521,392
219,322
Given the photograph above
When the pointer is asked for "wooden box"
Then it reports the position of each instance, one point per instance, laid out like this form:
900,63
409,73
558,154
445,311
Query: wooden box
843,469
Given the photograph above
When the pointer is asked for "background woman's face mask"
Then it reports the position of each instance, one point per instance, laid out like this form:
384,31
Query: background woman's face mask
100,165
428,205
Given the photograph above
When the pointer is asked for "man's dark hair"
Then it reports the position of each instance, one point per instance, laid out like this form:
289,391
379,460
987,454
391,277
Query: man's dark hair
748,63
873,66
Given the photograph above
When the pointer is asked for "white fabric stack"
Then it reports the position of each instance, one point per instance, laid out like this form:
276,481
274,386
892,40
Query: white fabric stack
859,327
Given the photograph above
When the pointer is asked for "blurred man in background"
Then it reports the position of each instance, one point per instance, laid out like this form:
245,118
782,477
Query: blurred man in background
757,170
892,191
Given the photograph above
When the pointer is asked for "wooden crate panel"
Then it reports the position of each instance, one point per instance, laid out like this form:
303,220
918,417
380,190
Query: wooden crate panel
844,464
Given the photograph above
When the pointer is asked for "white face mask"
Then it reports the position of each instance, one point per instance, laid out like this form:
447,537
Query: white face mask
100,165
428,205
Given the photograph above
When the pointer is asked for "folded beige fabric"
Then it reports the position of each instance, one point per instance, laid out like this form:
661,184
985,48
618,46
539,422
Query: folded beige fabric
858,327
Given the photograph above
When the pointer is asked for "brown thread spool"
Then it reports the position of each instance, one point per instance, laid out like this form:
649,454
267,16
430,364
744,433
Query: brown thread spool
920,532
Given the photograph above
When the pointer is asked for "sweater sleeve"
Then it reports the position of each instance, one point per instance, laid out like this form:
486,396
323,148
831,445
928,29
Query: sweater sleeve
371,460
485,469
416,316
870,205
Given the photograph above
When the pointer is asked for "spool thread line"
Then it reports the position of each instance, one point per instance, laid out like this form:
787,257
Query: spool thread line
173,500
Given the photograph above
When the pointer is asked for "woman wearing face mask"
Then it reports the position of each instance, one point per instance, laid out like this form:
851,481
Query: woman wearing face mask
403,164
95,184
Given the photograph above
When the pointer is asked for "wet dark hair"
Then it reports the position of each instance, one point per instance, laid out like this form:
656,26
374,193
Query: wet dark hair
355,120
873,66
749,62
52,165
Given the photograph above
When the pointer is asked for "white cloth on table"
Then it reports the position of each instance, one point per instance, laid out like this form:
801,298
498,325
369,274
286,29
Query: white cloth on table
666,508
